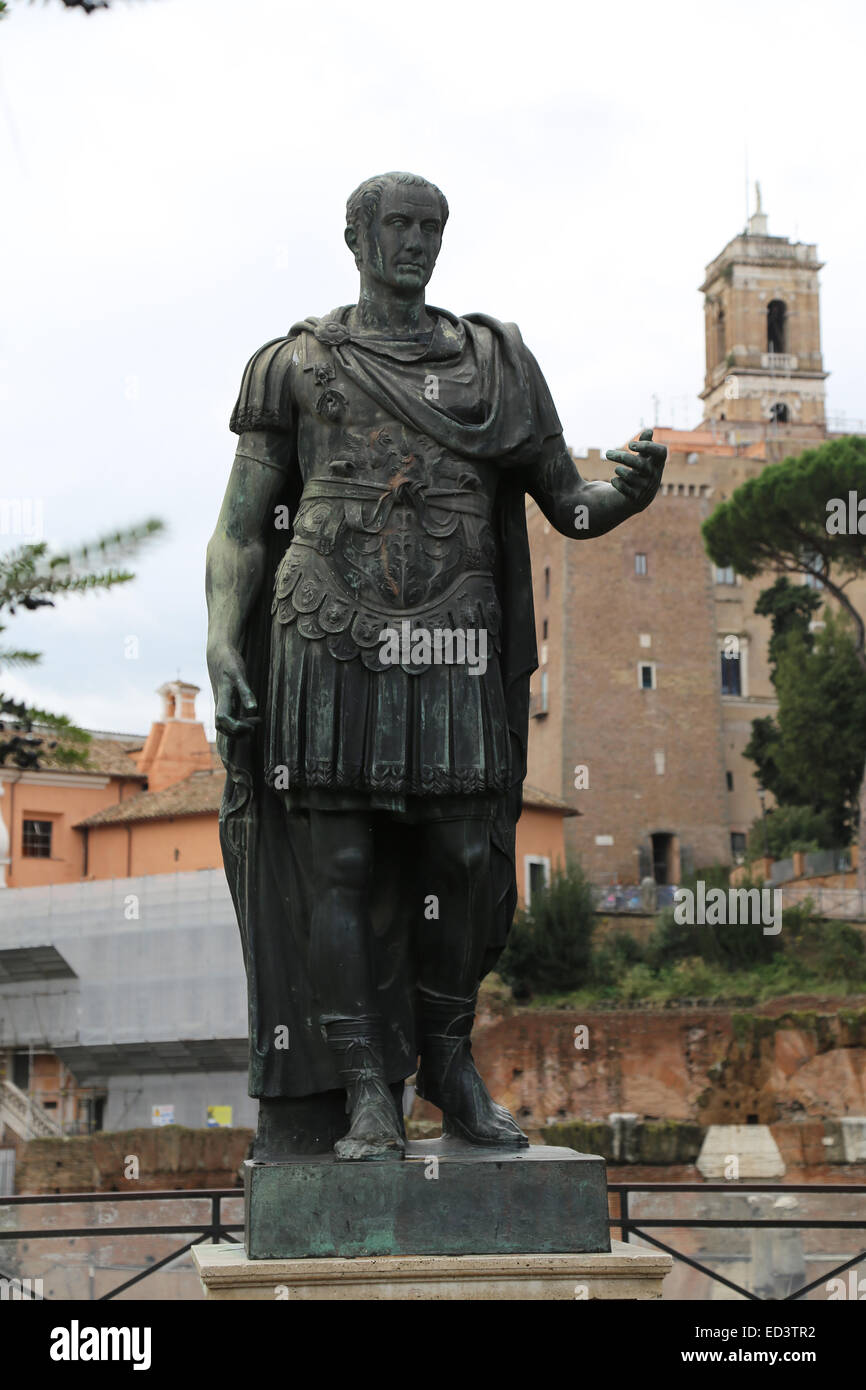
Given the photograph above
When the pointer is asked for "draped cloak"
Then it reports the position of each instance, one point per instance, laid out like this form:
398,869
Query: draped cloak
267,851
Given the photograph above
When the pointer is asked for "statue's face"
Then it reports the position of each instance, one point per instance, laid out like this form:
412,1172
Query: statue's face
400,246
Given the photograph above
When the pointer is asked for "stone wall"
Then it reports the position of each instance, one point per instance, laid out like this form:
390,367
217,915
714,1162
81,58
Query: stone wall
704,1065
168,1158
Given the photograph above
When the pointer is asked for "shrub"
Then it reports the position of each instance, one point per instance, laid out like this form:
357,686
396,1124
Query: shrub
825,949
549,946
727,944
791,828
614,957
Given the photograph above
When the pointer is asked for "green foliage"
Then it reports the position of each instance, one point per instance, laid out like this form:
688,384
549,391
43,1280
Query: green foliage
552,957
30,578
549,945
790,828
614,957
826,949
811,755
791,608
778,519
732,945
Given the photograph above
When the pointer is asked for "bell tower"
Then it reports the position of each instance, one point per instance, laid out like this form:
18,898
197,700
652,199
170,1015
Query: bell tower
765,374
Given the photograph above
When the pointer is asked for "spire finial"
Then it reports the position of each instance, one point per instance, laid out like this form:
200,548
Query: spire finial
758,219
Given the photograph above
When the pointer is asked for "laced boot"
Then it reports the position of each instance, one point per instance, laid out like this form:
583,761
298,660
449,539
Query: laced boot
375,1131
448,1077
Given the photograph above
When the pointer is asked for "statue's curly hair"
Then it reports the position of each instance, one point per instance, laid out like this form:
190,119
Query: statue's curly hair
362,204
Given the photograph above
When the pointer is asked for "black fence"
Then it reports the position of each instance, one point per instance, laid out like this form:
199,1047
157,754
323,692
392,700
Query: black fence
625,1225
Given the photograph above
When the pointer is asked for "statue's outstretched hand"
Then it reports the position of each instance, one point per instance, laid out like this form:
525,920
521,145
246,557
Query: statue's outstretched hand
236,705
640,472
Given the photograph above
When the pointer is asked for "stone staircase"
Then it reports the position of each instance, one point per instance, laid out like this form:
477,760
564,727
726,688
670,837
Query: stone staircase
25,1116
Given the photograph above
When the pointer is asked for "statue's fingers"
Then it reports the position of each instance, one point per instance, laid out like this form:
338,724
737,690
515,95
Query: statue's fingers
647,450
646,434
225,697
619,456
227,724
627,482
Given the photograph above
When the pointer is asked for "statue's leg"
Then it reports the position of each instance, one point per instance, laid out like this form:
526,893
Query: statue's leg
341,969
450,951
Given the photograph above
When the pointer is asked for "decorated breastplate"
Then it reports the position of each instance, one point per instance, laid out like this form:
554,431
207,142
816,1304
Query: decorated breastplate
392,529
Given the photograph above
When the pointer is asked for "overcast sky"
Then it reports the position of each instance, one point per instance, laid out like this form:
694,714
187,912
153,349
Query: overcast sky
175,174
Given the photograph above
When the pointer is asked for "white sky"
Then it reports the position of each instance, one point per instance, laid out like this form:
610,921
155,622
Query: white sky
175,175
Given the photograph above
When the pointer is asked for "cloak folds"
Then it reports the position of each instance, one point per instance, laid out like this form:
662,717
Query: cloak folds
266,850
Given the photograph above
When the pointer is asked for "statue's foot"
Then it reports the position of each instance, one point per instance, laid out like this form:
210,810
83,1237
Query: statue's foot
469,1111
373,1133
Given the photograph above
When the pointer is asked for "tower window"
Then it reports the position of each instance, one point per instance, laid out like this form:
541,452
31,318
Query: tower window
776,326
640,564
729,781
646,675
547,581
544,630
779,413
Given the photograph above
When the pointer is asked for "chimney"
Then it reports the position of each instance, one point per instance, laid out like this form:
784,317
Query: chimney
176,745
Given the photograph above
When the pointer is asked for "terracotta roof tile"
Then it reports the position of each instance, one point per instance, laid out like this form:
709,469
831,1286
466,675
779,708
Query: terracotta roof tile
105,756
199,794
546,801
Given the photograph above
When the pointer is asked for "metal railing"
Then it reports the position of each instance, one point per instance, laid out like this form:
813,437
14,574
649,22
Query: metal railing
628,1224
637,1225
215,1230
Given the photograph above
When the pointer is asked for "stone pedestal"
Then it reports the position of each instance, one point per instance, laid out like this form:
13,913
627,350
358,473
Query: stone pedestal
624,1272
446,1198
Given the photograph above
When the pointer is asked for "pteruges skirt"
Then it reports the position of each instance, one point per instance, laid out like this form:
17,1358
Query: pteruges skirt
342,736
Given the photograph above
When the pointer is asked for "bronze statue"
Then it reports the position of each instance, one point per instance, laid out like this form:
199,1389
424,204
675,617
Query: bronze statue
370,645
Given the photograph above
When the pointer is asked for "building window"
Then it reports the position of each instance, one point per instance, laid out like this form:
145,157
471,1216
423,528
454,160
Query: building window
646,675
738,845
547,581
724,574
731,675
729,780
536,875
36,839
776,326
544,631
640,563
779,413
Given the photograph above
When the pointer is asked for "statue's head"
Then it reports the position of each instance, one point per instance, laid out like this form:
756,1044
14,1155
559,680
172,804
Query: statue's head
394,226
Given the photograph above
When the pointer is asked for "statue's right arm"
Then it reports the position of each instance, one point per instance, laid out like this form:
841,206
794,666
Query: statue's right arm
235,569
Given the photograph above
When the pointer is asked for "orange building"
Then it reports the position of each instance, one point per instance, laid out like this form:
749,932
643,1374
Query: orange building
151,806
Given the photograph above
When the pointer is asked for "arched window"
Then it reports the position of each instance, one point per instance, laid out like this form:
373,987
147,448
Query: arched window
776,326
779,413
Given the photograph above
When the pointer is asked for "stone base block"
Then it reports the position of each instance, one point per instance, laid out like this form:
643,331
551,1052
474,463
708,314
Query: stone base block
445,1198
625,1272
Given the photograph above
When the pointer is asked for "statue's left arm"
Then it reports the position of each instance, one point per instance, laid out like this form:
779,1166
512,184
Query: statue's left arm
582,509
